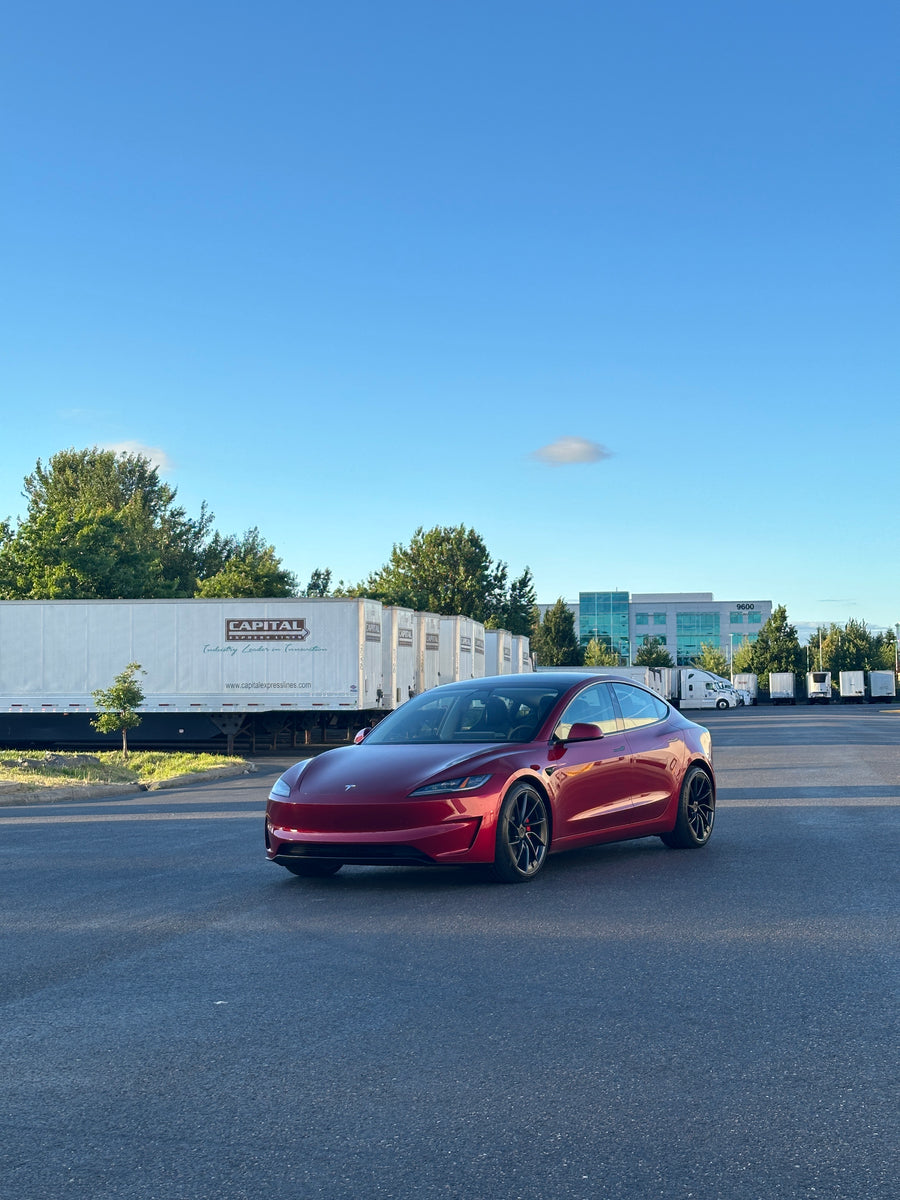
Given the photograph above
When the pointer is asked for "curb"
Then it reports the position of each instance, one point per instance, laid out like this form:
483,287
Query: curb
12,794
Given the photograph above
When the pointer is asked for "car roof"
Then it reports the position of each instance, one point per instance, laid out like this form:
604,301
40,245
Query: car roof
532,679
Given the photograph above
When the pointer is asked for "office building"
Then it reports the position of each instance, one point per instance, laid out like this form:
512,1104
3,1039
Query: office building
683,622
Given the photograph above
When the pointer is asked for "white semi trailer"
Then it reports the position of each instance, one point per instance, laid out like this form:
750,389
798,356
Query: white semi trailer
818,687
398,641
782,687
852,686
264,672
882,685
748,682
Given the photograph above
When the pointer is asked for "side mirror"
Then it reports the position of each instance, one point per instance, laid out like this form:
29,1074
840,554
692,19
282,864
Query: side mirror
362,735
581,731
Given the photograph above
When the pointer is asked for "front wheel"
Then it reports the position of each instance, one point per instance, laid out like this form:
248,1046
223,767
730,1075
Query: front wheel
721,704
523,835
696,812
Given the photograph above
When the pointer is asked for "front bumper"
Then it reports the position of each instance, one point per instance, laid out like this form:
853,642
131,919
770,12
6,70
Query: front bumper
444,830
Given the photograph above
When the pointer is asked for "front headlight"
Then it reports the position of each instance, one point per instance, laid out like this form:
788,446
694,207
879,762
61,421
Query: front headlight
464,783
281,788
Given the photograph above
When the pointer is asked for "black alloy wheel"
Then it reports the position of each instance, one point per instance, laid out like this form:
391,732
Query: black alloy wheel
696,812
523,835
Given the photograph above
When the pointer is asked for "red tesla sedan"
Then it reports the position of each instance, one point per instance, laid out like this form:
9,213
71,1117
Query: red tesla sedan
501,771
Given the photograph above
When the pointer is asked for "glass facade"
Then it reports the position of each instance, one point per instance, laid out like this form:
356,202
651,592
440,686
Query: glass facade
693,629
682,621
604,615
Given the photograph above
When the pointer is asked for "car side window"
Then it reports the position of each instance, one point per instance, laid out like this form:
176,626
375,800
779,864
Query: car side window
593,706
638,706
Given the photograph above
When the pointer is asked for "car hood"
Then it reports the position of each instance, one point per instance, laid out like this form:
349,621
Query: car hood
387,772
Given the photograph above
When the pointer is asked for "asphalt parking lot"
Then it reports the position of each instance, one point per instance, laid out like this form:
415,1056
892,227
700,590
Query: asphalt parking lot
180,1019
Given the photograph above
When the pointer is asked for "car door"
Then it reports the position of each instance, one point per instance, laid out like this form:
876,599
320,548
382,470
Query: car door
656,748
589,780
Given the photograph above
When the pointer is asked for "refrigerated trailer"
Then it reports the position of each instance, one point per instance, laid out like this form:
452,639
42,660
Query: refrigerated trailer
818,687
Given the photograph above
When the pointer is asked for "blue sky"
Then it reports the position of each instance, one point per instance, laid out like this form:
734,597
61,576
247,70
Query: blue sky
615,285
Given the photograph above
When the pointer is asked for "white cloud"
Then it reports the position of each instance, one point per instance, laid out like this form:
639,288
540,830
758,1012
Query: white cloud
158,458
567,450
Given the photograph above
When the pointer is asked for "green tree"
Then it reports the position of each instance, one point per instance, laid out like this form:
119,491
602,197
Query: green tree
513,612
777,648
600,654
854,647
119,704
319,583
884,651
653,654
711,658
447,569
243,567
554,642
742,658
100,525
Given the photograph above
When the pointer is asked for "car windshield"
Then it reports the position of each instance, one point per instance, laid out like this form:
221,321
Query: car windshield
501,713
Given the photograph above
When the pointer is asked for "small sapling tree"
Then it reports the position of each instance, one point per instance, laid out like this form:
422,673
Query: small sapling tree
119,704
599,654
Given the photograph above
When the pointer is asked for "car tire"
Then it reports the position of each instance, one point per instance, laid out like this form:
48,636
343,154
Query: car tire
523,835
312,868
696,812
722,704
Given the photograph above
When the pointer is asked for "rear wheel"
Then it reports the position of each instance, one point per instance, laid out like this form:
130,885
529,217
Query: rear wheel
696,812
523,835
312,868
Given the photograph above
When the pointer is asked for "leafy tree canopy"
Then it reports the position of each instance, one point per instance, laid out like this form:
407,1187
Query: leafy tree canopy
742,658
712,658
653,654
319,583
448,570
777,648
102,525
850,647
600,654
244,566
119,704
554,641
